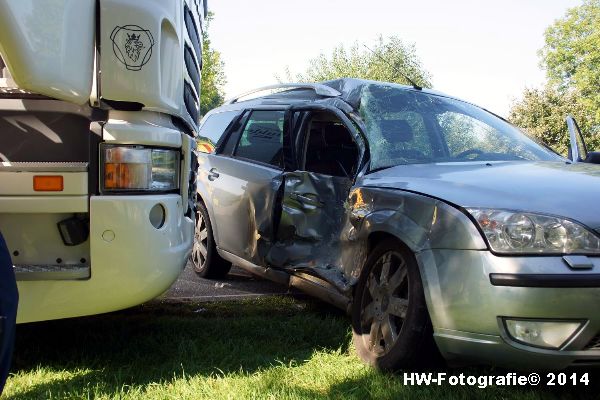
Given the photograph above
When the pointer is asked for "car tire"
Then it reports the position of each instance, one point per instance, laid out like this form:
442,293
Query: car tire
206,261
391,326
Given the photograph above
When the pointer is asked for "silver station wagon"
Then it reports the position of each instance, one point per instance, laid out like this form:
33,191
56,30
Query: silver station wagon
435,223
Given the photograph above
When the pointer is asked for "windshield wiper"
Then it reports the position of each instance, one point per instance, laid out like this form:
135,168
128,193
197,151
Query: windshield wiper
383,167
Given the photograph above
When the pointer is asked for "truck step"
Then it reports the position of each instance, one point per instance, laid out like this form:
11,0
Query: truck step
58,272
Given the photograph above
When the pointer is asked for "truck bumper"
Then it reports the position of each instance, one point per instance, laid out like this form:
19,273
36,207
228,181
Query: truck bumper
131,260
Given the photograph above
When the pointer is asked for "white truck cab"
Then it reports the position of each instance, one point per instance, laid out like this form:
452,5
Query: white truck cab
99,110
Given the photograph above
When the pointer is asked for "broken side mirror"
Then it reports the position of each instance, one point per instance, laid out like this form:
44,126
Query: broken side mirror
577,149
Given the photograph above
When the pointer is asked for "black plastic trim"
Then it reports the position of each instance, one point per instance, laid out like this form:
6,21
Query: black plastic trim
546,280
191,67
192,30
124,105
191,105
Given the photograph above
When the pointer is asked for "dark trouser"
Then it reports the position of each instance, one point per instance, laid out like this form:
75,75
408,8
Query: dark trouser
9,298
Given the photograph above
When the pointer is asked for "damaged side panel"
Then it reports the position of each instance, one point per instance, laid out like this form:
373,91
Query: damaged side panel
309,231
419,221
325,232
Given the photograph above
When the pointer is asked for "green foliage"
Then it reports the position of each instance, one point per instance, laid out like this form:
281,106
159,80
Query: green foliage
213,74
542,113
387,61
571,57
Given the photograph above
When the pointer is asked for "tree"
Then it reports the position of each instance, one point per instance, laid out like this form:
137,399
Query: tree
542,113
213,74
571,58
571,55
387,61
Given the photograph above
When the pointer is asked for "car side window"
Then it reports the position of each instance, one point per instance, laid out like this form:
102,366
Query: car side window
262,138
212,130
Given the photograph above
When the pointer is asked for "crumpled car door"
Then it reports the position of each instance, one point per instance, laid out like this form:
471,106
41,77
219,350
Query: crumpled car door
312,219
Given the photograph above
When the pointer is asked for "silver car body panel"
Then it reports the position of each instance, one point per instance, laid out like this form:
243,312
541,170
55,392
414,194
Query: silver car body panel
244,192
555,188
465,308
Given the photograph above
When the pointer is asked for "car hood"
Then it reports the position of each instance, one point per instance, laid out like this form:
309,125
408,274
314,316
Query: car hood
557,188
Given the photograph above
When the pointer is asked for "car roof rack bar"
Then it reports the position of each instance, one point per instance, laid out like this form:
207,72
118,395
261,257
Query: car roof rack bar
320,89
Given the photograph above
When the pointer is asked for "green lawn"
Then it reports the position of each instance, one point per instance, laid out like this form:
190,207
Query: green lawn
270,348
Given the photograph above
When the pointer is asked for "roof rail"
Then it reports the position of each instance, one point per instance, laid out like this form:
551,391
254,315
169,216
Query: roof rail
320,89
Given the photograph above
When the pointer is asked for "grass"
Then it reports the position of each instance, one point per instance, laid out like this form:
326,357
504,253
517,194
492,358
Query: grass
268,348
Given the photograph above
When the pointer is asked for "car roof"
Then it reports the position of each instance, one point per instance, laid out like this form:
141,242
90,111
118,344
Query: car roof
349,88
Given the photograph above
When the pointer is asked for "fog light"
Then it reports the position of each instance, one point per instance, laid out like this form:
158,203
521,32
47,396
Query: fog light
546,334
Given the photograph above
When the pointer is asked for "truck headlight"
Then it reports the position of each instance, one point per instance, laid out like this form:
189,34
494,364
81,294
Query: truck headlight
524,232
137,168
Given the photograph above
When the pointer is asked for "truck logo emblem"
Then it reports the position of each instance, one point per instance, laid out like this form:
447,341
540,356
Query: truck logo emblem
132,46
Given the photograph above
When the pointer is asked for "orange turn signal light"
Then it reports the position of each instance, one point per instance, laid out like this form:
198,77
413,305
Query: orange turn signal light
48,183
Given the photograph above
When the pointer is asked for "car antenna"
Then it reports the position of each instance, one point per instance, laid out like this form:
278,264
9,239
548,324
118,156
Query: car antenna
414,85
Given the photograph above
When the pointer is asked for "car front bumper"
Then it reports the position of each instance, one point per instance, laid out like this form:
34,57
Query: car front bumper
466,309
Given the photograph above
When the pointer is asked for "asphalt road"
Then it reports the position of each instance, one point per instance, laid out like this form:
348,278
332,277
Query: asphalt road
237,285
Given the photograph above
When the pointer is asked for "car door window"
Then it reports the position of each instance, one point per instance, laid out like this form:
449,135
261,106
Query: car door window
212,130
262,138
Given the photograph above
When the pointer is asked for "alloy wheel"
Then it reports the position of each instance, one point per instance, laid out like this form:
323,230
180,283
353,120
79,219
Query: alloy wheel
385,302
200,250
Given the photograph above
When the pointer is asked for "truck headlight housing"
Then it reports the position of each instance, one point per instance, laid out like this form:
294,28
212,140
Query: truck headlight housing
138,168
530,233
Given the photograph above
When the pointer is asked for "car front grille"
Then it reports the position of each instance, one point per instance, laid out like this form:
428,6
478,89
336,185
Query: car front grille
594,344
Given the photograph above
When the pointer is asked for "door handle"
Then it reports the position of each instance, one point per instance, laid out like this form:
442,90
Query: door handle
213,174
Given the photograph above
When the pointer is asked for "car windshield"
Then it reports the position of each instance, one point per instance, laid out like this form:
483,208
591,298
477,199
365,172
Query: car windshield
411,127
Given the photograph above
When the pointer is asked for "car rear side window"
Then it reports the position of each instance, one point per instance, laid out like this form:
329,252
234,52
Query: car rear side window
262,138
212,130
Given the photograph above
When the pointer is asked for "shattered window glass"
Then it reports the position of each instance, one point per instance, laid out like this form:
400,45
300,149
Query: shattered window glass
409,127
463,132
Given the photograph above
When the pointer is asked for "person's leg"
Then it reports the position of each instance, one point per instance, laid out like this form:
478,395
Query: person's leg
9,298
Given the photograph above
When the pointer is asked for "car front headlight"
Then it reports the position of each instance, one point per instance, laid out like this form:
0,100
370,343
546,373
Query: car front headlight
137,168
524,232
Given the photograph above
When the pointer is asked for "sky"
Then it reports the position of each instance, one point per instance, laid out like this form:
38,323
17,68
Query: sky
484,51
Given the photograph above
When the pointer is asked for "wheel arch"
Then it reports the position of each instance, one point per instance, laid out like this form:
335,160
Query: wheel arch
378,236
420,325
